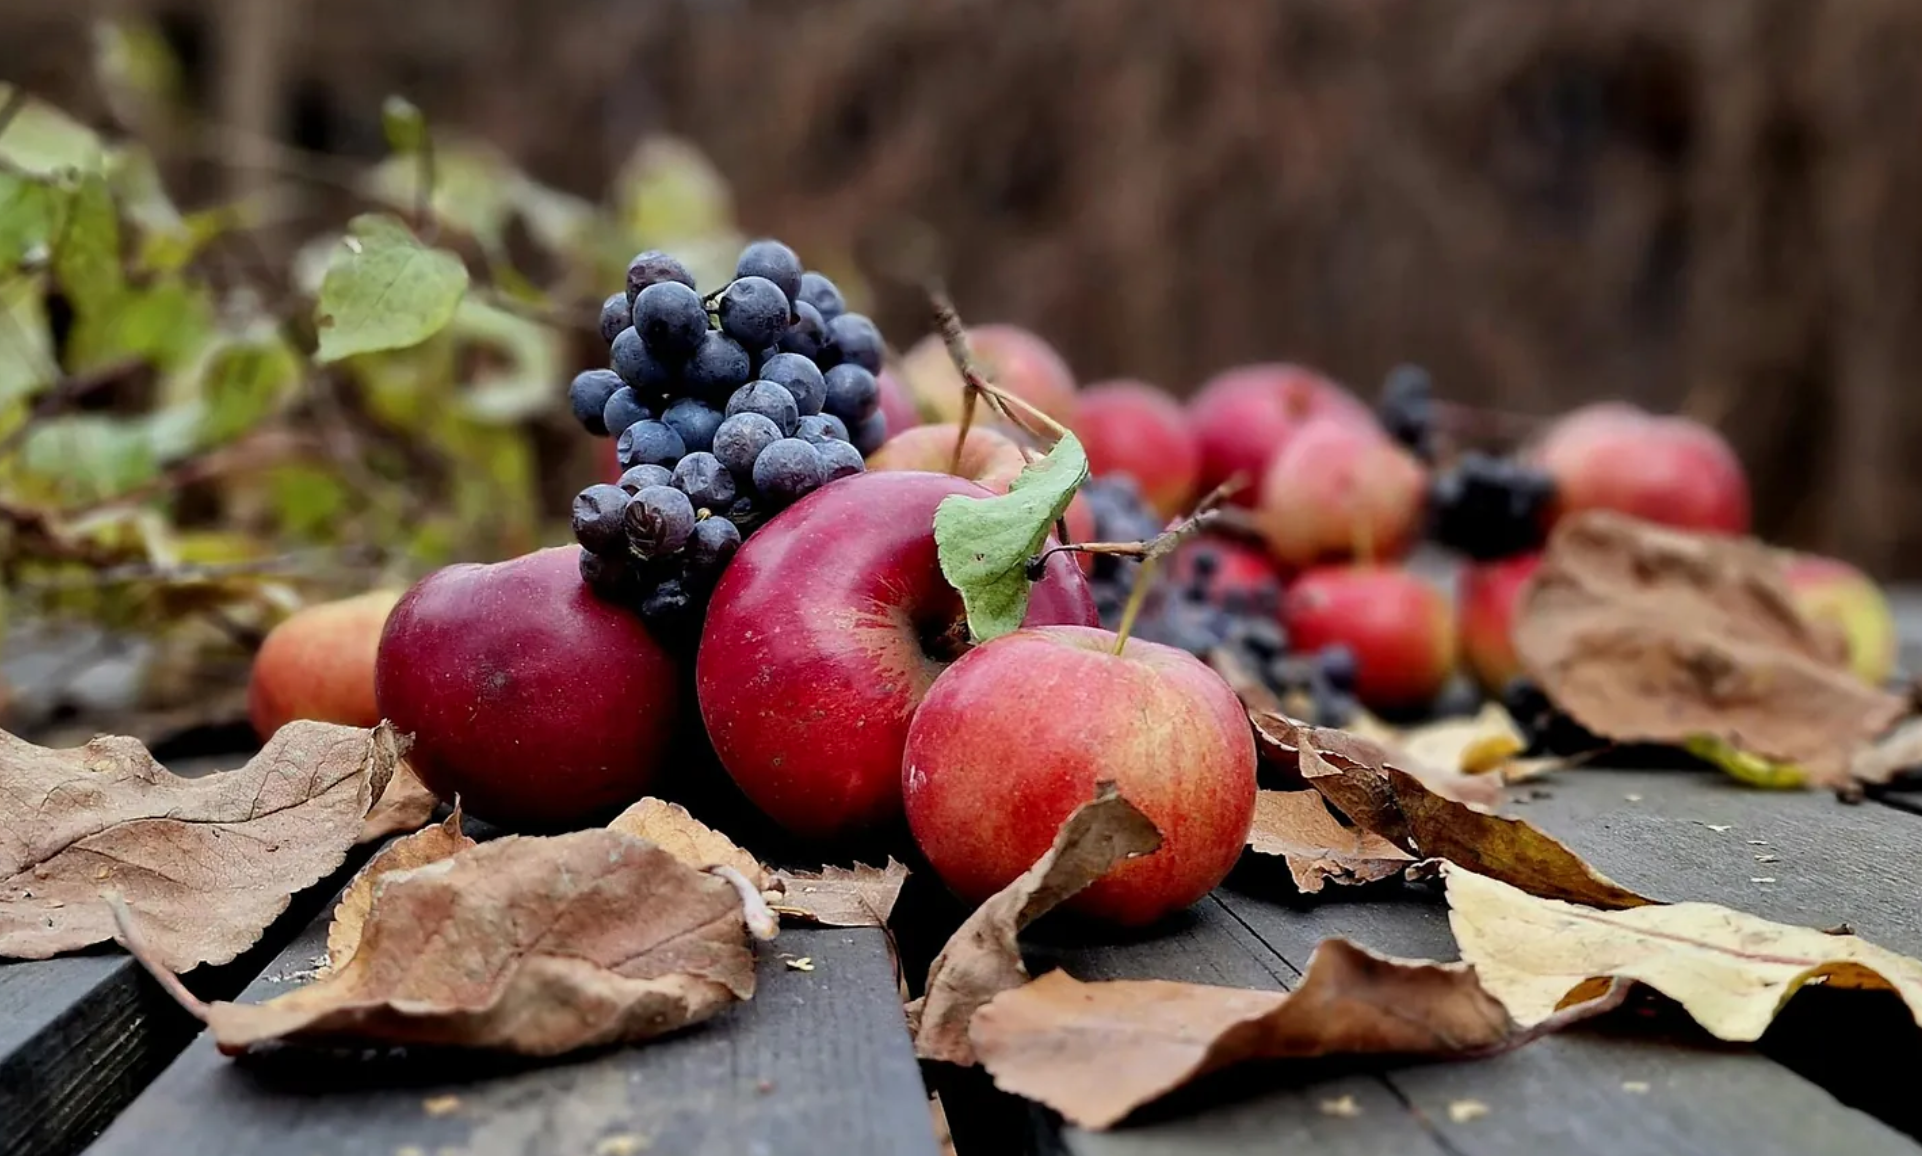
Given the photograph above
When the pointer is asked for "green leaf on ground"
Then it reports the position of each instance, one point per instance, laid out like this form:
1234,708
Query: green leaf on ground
985,543
43,141
86,255
385,290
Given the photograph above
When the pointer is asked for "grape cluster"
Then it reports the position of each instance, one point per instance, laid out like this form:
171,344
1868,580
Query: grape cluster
1191,611
1406,410
1489,507
725,409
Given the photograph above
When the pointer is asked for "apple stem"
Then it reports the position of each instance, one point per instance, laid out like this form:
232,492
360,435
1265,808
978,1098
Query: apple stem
137,947
1144,578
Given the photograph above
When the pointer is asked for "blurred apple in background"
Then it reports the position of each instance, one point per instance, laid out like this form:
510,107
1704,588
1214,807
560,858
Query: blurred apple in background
1244,416
1399,628
1339,490
1834,592
319,664
1486,597
1011,357
1132,428
1670,470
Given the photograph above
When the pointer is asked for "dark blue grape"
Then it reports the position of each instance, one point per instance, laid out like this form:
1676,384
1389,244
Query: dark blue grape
854,338
839,459
638,366
695,421
623,409
1336,663
587,396
641,477
649,443
706,482
771,401
671,319
597,519
754,312
741,439
608,577
615,316
821,427
652,268
657,521
667,609
773,261
824,295
788,470
869,435
719,367
808,335
852,394
709,548
801,377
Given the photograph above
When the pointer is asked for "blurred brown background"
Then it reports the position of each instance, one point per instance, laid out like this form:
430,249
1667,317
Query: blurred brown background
1714,207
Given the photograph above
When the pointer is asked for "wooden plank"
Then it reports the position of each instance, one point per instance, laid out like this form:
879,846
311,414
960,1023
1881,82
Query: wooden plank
1580,1092
817,1062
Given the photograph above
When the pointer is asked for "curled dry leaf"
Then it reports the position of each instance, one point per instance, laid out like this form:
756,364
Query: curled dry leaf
442,841
536,946
983,958
1896,754
672,829
1441,754
860,896
406,805
1648,634
1097,1051
206,864
1729,970
1355,776
1298,826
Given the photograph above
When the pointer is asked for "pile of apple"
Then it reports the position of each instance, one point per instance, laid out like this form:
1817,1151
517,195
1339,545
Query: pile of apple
836,681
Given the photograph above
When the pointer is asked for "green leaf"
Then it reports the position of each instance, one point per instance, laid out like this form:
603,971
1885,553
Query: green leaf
1754,770
385,290
168,323
514,364
242,383
91,457
403,124
30,213
43,141
26,340
309,502
86,256
985,543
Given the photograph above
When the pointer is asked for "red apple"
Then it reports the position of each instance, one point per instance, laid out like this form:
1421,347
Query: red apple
1015,736
1832,591
537,703
1243,416
1670,470
319,664
897,403
1131,428
824,634
990,458
1339,490
1486,598
1400,629
1229,569
1011,357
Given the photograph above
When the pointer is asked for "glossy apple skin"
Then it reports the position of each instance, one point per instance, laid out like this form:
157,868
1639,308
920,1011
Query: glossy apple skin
1013,358
1129,427
897,402
824,634
1487,596
1830,590
1339,491
1669,470
1401,630
319,664
1016,735
1243,416
537,703
989,456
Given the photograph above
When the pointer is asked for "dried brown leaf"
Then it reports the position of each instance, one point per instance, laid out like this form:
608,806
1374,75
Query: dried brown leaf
1648,634
1730,970
1894,755
1450,756
1298,826
1357,778
205,863
860,896
443,841
983,958
535,946
1097,1051
670,827
406,805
